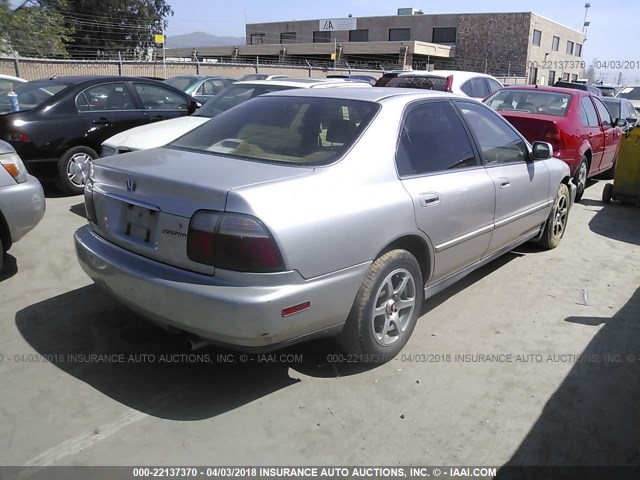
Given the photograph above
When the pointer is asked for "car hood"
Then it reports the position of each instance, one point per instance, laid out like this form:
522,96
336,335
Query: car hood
154,134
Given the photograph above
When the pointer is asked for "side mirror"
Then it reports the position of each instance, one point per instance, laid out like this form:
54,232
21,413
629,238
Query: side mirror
542,151
193,106
631,121
620,122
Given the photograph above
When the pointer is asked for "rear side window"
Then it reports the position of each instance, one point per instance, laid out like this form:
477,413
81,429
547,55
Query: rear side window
433,139
425,82
284,130
605,116
480,88
590,113
110,96
159,98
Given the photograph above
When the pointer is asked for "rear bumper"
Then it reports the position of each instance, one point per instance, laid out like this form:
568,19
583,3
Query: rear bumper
23,206
247,316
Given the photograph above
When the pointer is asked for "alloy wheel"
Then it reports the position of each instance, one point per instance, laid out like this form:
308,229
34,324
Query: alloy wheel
394,305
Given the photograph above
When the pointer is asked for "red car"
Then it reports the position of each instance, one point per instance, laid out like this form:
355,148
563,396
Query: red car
576,123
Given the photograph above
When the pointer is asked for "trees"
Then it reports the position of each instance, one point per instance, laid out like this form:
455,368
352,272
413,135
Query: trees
102,29
34,28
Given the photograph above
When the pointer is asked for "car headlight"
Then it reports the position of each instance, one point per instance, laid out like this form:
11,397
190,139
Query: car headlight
107,151
12,163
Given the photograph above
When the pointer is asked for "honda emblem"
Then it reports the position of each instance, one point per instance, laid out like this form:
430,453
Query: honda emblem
131,185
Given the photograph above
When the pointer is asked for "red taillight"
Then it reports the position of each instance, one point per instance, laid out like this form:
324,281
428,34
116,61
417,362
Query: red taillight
554,136
232,241
449,84
17,137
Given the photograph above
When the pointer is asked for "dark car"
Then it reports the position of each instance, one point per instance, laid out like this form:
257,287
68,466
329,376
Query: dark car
57,125
607,90
387,77
576,123
622,108
356,78
592,89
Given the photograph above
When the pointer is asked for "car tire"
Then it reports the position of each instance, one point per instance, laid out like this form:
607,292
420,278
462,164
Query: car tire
386,308
607,193
580,177
556,224
73,169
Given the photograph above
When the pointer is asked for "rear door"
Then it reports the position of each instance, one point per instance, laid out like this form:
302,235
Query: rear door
161,103
611,135
453,196
107,109
521,186
594,132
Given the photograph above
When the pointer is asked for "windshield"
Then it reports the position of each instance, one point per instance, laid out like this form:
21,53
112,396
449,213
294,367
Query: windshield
288,130
530,101
29,95
614,107
234,95
608,91
426,82
182,83
630,93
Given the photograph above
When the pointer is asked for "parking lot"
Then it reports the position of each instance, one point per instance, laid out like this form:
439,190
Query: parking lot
532,360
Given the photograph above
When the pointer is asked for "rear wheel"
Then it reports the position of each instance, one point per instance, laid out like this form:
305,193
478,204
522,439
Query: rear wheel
556,224
580,177
73,169
607,193
386,308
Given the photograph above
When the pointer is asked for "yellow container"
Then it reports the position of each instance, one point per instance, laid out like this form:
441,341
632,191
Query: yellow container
626,181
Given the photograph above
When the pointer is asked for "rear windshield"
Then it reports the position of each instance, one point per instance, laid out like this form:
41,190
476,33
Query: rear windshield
425,82
233,96
288,130
607,91
530,101
630,93
29,95
182,83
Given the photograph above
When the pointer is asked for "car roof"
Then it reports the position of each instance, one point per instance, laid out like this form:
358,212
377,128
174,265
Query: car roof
75,79
545,88
372,94
199,77
444,73
296,82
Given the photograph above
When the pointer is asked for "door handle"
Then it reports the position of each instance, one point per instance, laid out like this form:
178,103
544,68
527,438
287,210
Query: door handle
157,117
504,182
429,199
101,121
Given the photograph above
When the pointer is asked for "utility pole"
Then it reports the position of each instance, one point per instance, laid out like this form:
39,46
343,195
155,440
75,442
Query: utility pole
164,51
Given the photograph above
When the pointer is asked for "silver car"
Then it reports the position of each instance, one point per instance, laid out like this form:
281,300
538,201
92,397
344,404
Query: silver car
305,213
22,202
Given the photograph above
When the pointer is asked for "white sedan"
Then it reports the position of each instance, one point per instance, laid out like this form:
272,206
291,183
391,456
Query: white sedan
470,84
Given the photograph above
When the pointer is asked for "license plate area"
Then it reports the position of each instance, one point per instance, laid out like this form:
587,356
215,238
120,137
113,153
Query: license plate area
139,223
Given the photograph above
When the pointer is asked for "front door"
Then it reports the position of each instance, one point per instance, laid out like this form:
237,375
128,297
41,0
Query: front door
160,103
453,197
611,135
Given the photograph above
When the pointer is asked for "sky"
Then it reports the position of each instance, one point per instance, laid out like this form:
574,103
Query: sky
612,36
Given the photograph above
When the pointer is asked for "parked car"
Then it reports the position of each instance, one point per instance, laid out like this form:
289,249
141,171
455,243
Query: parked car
261,76
22,202
592,89
161,133
61,122
358,78
576,123
387,76
202,88
471,84
622,108
7,81
314,212
607,90
632,94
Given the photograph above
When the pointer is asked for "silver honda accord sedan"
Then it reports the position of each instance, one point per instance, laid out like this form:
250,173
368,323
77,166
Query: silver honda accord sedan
308,213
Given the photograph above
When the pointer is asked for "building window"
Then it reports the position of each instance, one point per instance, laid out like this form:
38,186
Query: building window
399,34
320,36
537,37
578,51
444,35
533,75
257,38
288,37
358,35
565,77
574,77
552,77
555,44
570,46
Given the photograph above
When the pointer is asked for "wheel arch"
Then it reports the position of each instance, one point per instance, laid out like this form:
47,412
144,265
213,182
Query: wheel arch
416,246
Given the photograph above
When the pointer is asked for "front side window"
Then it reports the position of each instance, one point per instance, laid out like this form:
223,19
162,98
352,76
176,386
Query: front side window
537,37
232,96
433,139
284,130
210,87
617,109
498,142
158,98
590,113
110,96
605,116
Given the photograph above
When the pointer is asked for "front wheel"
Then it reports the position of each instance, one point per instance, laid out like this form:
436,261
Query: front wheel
73,169
580,177
556,224
386,308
